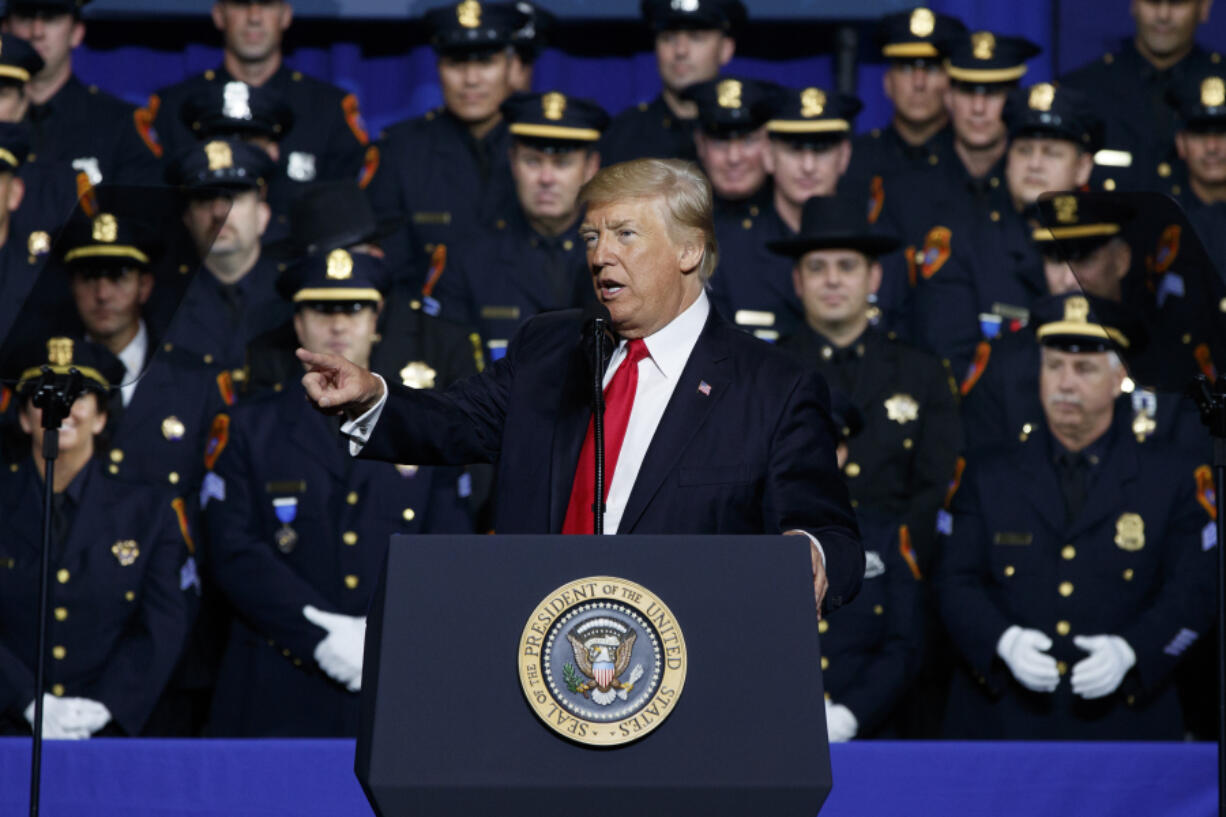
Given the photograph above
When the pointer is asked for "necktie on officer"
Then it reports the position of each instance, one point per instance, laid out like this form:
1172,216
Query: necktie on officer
619,399
1072,469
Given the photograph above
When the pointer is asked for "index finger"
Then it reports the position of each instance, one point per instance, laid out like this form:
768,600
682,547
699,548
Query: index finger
314,360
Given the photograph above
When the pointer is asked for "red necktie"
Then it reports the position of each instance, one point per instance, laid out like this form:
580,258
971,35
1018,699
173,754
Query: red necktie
618,400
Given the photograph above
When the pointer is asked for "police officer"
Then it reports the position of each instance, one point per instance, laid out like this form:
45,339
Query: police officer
22,249
534,259
1128,89
448,170
119,564
1079,570
1200,142
871,648
299,530
731,142
693,40
529,41
328,140
914,44
99,134
233,299
901,466
809,149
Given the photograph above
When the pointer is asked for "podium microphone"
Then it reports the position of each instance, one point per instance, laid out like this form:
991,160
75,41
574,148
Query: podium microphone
597,331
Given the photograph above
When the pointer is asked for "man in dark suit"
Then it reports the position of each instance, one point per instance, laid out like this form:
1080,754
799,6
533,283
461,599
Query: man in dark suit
709,430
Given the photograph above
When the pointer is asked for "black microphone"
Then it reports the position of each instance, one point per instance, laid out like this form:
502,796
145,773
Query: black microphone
599,342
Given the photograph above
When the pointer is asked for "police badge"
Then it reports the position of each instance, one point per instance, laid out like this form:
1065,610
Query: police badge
602,661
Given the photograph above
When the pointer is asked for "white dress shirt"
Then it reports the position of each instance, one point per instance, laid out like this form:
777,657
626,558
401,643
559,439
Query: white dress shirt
133,359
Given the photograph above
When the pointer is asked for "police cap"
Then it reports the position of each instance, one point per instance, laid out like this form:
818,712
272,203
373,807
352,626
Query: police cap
220,163
14,145
1049,110
337,277
677,15
554,120
473,27
730,106
1201,100
18,60
236,109
984,58
1078,322
918,34
838,222
812,116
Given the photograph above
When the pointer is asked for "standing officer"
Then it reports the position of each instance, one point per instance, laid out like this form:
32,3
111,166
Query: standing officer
1201,143
529,41
919,136
693,40
901,466
1077,571
1128,89
299,529
25,240
328,141
448,170
99,134
533,260
732,143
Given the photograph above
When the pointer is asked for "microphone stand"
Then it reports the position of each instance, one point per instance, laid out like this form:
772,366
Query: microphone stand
1212,405
55,396
599,328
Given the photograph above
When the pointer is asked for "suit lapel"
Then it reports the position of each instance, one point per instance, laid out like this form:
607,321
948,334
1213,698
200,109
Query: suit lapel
573,415
687,410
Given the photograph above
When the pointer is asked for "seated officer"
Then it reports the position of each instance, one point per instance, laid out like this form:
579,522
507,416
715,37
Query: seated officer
1078,570
97,133
871,647
529,41
1201,144
693,40
119,558
731,142
977,271
810,147
224,182
299,530
919,135
533,260
329,140
901,466
447,171
1085,254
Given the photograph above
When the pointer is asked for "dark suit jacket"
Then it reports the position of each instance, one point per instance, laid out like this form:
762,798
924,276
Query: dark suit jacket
754,455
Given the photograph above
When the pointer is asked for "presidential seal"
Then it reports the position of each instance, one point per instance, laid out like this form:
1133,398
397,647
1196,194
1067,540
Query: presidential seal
602,661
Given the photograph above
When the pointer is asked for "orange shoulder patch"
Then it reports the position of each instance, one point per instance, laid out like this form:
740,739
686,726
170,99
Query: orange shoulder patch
910,255
438,262
219,435
370,166
225,386
936,251
180,506
86,195
876,199
1167,250
1204,490
1204,359
978,364
6,397
353,118
907,552
956,482
143,119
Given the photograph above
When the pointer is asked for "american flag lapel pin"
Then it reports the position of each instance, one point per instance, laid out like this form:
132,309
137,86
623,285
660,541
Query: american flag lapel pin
705,388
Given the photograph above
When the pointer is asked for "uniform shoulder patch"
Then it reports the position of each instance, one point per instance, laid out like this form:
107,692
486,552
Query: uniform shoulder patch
1167,250
912,258
876,199
1204,360
978,364
225,387
6,397
180,506
143,119
956,482
1204,490
370,166
907,551
936,251
219,435
353,118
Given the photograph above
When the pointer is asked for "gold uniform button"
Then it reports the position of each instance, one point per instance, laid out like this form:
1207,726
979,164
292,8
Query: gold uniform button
61,613
129,596
1164,169
1128,574
878,610
908,444
1186,338
1066,589
409,514
932,159
825,663
349,538
351,581
1108,185
747,224
1009,570
173,477
994,182
1131,700
852,469
1061,667
58,652
208,358
297,662
352,498
828,698
112,468
1063,627
116,455
994,215
1068,552
62,576
57,690
568,245
823,626
285,652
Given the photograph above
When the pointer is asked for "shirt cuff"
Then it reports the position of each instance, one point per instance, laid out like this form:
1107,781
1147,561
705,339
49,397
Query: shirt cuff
812,539
358,431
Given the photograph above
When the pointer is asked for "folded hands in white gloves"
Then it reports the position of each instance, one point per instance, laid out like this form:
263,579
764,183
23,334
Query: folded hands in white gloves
1096,676
70,718
339,654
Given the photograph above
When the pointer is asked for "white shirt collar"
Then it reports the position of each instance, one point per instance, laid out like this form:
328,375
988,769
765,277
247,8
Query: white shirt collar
670,346
132,356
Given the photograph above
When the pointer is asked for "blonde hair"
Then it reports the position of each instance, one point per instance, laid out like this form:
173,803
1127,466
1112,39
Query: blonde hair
686,193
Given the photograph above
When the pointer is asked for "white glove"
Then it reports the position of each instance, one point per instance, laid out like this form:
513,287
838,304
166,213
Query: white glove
69,718
1101,673
1025,653
339,654
841,724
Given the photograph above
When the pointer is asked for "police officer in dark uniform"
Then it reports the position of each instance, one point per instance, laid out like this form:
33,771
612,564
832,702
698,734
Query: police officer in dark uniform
1200,141
1128,89
26,238
448,170
809,149
732,143
233,300
299,531
901,466
693,40
533,260
119,564
919,135
871,648
328,139
97,133
1079,570
529,41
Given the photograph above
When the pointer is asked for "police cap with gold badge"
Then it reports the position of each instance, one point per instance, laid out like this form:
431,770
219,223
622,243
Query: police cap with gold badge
985,59
18,60
1079,322
14,145
837,222
918,34
681,15
95,246
812,116
1200,99
336,281
1046,109
220,109
472,28
731,106
554,121
100,370
1073,225
230,164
